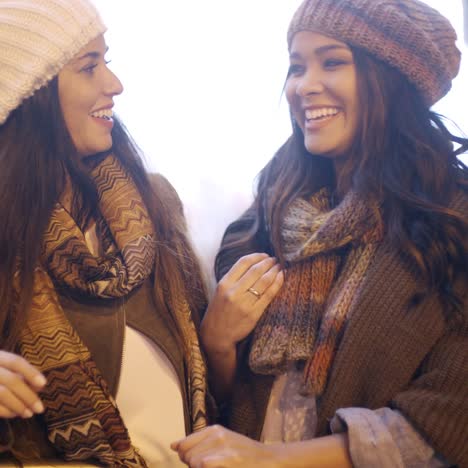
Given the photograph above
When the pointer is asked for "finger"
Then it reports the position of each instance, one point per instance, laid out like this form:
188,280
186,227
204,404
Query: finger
186,443
12,405
254,273
264,290
6,413
216,447
241,266
17,395
197,441
199,454
266,280
270,293
20,366
207,459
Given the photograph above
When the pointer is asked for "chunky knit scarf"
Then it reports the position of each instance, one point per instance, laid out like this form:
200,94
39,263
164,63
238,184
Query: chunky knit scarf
306,319
81,416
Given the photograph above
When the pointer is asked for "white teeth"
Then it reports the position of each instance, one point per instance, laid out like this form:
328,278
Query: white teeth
103,114
313,114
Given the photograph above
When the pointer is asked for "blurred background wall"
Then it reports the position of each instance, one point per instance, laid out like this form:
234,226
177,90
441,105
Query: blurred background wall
203,95
465,16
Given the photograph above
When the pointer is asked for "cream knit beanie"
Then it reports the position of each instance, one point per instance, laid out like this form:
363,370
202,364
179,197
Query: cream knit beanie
407,34
37,38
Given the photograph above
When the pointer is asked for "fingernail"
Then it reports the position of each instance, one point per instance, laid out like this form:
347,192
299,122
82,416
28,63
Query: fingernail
38,407
39,380
27,413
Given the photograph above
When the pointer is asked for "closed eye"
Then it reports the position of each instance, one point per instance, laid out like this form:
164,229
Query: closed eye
89,69
333,63
295,69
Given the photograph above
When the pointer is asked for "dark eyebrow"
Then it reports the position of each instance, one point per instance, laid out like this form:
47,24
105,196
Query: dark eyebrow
93,55
322,50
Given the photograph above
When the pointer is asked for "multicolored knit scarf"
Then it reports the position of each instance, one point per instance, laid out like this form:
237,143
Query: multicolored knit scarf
81,416
306,319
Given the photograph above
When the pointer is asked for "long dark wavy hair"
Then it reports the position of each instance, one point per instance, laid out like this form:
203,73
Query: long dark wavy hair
402,154
37,156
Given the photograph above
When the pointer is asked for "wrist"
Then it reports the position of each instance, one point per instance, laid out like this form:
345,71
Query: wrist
216,344
321,452
281,455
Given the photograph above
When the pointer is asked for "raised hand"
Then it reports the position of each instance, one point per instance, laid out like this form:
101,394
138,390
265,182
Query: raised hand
240,299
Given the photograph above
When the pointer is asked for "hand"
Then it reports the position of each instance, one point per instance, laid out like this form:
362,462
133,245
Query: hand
218,447
235,310
19,384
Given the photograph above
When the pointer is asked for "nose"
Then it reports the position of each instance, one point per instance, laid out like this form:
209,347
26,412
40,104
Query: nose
113,86
309,83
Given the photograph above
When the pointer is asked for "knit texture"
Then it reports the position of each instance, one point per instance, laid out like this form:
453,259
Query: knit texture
407,34
305,321
81,417
37,38
396,351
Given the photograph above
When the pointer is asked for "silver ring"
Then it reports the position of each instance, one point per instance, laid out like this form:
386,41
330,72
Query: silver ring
254,292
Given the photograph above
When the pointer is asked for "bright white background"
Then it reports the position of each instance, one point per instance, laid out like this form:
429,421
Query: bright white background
203,95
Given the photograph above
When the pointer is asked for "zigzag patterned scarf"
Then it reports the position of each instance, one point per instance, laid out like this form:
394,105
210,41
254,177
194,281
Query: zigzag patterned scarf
81,416
305,321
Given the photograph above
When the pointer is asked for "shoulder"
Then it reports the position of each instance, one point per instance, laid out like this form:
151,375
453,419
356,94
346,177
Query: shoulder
241,226
242,237
165,191
459,201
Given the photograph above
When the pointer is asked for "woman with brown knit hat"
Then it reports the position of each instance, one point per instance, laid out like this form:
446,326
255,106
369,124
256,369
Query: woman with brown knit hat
92,250
362,357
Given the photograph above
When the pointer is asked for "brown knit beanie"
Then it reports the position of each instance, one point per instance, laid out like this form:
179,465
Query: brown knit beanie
407,34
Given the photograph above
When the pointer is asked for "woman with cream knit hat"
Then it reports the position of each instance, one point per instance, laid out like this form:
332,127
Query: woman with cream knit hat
362,357
92,250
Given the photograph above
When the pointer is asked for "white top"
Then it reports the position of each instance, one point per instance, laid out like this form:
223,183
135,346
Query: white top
150,400
290,417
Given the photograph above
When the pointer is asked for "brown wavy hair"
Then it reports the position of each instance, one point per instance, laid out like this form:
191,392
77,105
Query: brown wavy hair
37,156
402,154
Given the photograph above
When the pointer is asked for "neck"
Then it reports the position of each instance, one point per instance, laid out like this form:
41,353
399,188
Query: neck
342,179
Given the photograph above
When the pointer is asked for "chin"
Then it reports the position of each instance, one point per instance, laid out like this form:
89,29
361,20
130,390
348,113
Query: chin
320,151
91,151
324,150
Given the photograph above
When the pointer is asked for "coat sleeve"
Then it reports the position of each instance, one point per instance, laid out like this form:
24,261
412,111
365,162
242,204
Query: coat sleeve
384,438
436,402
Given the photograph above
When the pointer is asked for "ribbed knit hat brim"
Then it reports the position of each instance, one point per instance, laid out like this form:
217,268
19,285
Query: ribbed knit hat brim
37,38
407,34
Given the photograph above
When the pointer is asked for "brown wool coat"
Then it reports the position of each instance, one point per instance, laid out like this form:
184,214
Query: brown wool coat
396,351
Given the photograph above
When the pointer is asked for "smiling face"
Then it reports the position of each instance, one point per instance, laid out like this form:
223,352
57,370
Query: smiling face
321,90
86,88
